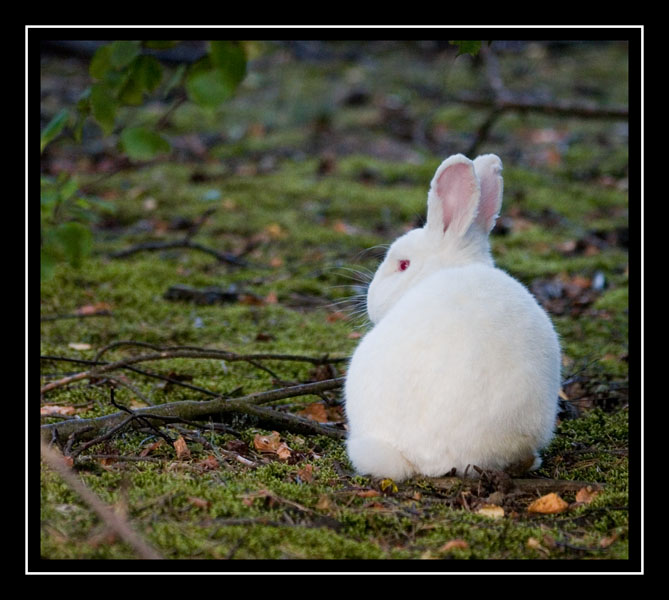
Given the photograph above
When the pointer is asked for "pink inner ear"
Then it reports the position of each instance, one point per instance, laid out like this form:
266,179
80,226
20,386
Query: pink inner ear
455,187
489,204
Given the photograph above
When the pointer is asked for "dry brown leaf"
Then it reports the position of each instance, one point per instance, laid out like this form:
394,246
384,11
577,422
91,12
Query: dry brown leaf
605,542
151,447
491,510
208,464
274,231
92,309
267,443
52,409
548,504
586,494
323,503
79,346
283,451
306,473
181,448
367,493
107,463
273,444
199,502
315,411
452,544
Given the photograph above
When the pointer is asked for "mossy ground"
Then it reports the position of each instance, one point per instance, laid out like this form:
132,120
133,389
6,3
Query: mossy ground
308,179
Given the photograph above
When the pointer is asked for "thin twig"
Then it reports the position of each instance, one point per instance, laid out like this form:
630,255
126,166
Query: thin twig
119,381
165,378
225,257
97,440
141,419
119,525
183,353
558,108
119,457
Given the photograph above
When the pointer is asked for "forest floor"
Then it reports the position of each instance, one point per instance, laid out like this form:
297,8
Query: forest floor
319,158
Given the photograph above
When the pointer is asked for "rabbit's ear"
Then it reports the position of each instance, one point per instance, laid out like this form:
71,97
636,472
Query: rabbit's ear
454,196
488,168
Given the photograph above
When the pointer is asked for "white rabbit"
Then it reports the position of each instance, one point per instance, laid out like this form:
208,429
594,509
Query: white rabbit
462,366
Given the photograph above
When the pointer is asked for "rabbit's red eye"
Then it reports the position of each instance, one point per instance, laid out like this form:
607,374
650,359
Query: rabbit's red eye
404,265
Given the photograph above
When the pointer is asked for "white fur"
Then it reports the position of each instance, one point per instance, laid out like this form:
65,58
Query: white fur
462,366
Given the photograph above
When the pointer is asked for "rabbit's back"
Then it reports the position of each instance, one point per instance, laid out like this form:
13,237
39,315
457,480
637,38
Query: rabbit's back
463,369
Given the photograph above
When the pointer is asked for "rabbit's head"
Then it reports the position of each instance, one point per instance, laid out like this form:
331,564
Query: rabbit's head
463,203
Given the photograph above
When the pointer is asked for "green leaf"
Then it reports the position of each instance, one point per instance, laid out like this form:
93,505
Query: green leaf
53,129
148,71
208,85
101,62
140,143
142,75
230,57
76,241
132,91
123,53
69,188
467,46
103,105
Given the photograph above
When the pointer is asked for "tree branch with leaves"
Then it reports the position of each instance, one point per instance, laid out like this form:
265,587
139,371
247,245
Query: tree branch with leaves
124,74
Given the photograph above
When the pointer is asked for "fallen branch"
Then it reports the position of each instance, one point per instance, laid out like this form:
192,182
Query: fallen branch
193,410
181,352
225,257
116,523
185,242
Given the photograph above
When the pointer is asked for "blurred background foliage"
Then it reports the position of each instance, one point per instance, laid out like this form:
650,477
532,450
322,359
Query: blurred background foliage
555,106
